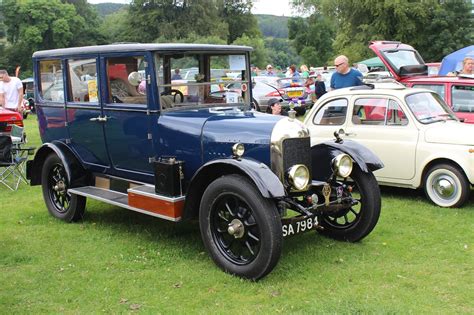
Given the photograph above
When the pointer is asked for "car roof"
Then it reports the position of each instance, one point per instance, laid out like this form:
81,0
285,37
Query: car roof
441,79
379,88
169,47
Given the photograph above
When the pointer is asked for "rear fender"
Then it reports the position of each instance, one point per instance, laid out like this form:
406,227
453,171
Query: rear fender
322,155
264,179
74,169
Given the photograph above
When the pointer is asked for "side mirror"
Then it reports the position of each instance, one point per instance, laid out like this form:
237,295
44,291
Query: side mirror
134,78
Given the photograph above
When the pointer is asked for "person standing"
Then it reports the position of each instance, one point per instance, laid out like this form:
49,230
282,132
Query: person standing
345,76
304,71
467,67
319,86
270,71
11,91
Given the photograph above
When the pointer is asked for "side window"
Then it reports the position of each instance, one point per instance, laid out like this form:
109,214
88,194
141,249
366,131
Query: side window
83,80
51,80
332,113
126,80
438,88
378,111
462,98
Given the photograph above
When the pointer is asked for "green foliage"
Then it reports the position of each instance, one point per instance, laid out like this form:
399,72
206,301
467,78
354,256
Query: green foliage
259,55
433,27
115,27
239,18
273,26
104,9
312,38
46,24
281,52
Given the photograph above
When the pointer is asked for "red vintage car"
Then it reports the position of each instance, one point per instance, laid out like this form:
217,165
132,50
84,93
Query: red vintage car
8,118
407,66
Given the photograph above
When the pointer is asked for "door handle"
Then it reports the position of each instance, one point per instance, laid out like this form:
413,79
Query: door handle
350,134
99,119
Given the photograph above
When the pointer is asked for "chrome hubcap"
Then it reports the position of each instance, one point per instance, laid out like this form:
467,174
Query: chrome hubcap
444,186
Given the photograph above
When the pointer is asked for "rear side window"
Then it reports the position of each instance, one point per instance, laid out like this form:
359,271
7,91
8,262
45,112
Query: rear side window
83,80
462,98
51,80
126,80
332,113
438,88
378,111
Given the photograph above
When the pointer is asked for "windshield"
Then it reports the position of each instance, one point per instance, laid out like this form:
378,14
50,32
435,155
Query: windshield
429,107
202,80
401,58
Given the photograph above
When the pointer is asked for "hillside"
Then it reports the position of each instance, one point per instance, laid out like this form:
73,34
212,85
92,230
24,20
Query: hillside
108,8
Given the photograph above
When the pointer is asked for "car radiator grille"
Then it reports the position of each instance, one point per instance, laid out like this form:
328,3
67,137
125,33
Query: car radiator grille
296,151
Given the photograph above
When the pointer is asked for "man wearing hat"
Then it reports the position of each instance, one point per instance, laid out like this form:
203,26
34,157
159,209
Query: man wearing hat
270,71
274,107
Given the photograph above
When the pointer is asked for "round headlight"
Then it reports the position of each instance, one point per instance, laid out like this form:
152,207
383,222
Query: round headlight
238,150
342,164
298,176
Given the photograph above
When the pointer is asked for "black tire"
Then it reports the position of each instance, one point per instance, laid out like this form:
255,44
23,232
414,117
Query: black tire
446,186
256,248
61,204
355,222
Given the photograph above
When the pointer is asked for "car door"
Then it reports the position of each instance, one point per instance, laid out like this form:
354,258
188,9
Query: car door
127,115
84,111
380,123
329,117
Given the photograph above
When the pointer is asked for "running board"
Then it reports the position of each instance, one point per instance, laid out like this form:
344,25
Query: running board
141,199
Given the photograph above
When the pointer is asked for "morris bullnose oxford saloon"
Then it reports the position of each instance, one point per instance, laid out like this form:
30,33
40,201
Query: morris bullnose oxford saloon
177,150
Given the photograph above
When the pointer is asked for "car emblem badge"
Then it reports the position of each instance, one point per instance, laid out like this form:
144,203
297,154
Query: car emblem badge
326,193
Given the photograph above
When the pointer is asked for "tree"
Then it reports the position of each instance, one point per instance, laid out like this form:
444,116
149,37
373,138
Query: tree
281,52
259,55
312,38
239,18
89,32
433,27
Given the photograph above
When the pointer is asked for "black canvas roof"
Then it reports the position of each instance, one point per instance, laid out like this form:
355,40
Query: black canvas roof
169,47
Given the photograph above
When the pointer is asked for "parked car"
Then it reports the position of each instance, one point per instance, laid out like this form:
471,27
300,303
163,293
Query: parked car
181,155
418,138
29,93
7,119
407,67
289,90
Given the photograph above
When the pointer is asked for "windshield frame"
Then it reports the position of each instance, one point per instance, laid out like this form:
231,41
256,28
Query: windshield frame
443,115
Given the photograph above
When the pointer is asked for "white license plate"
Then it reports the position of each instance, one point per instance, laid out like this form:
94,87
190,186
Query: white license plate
293,227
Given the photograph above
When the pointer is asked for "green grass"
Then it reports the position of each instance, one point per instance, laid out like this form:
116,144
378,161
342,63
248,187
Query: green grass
419,259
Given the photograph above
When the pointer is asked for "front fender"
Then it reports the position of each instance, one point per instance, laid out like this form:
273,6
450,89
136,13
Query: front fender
74,170
323,153
264,179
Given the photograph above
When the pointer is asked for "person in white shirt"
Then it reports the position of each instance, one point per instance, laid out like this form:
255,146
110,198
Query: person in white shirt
11,91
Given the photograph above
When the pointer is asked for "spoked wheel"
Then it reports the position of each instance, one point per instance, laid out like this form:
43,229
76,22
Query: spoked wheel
359,218
240,229
60,203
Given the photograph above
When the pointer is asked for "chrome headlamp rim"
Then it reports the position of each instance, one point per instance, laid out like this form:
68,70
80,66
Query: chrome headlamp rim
238,150
298,177
342,164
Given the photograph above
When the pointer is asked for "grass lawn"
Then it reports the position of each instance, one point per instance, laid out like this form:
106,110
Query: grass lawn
419,259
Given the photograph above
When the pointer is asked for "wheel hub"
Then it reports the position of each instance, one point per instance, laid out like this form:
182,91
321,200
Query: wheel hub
444,187
60,187
236,228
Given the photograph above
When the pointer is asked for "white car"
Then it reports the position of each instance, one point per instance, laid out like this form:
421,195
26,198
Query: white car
418,138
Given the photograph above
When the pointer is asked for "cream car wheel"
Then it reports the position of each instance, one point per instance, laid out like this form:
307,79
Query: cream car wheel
446,186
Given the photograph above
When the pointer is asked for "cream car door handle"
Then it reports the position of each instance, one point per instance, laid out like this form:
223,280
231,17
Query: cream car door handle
350,134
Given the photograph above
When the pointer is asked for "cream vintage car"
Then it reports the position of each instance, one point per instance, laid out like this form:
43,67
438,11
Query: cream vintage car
418,138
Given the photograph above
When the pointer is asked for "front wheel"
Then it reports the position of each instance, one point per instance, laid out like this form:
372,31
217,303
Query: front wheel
240,229
446,186
55,183
356,221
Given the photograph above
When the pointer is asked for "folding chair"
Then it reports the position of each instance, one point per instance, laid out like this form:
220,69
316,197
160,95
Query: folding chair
13,157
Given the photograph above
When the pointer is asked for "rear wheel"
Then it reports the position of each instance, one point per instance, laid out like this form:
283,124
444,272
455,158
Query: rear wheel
55,183
356,221
446,186
240,229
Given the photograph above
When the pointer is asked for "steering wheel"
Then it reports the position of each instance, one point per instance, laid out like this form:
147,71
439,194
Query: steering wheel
174,92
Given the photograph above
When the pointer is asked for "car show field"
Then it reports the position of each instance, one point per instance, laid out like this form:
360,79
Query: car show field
418,259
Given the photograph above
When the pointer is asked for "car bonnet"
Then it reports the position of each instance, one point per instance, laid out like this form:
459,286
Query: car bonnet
450,132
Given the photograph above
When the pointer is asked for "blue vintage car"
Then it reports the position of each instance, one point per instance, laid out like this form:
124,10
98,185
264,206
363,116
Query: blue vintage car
117,128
